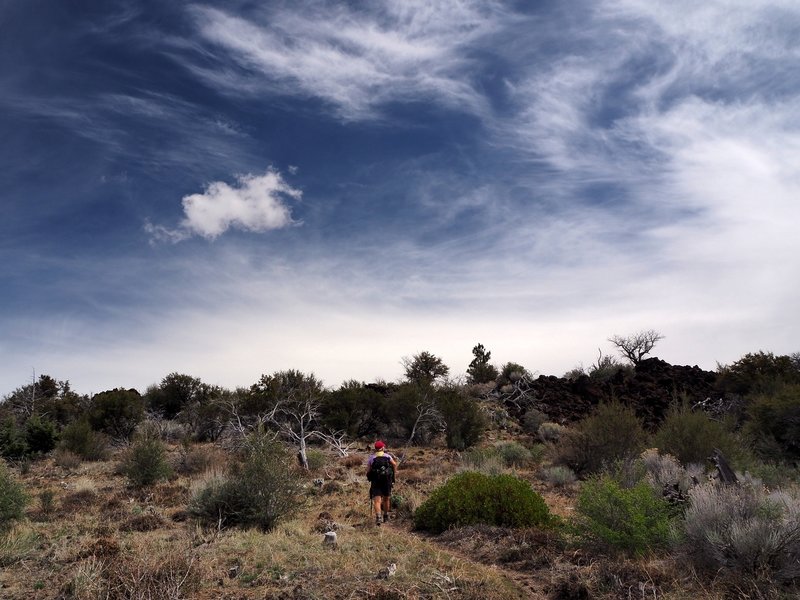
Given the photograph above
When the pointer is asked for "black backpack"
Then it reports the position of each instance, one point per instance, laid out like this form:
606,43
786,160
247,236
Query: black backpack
381,471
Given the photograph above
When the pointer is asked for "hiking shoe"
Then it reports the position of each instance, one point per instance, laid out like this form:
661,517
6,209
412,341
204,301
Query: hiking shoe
385,517
377,521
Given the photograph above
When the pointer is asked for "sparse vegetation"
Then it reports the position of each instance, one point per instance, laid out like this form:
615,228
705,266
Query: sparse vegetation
241,518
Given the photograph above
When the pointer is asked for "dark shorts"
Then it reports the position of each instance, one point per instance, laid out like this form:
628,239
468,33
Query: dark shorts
380,489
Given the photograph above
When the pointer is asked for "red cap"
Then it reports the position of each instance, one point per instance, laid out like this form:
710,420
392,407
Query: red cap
379,445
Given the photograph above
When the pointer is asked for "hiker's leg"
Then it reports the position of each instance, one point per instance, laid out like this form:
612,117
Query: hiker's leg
386,506
376,504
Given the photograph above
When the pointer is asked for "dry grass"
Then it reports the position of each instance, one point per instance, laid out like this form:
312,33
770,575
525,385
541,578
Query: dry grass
105,540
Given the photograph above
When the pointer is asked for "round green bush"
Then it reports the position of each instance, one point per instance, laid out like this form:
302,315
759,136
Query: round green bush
470,498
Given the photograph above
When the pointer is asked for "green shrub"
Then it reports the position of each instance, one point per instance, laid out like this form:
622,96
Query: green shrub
774,424
258,490
40,435
632,520
532,420
116,412
354,408
744,529
513,454
691,436
470,498
12,440
610,434
79,438
12,499
145,462
463,420
757,373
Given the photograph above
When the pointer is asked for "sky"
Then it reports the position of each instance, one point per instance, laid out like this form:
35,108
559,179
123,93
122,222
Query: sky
229,189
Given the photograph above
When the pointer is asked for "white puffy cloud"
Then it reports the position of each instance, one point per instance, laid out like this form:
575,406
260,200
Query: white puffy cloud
257,203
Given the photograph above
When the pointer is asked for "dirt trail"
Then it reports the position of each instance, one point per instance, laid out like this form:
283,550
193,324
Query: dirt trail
495,548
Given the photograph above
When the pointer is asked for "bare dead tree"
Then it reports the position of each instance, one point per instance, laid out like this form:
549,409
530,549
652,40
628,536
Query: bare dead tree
294,417
336,440
636,346
427,414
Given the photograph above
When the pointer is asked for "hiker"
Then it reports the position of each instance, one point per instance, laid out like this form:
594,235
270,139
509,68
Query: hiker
381,468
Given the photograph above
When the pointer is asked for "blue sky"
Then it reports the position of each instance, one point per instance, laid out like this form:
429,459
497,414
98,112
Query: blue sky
229,189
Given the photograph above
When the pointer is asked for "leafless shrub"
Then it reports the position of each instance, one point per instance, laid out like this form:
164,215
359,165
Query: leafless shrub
744,529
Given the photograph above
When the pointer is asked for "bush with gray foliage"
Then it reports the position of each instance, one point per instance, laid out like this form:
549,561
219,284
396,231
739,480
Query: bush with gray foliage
744,530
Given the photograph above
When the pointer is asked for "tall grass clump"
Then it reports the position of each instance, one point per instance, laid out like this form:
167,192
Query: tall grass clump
13,499
258,490
470,498
632,520
483,460
744,530
610,434
558,475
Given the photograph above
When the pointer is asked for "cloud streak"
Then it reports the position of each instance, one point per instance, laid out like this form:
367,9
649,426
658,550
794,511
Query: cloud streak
356,60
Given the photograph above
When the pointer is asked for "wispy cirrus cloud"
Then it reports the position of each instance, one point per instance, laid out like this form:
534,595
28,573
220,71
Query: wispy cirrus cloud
256,203
356,58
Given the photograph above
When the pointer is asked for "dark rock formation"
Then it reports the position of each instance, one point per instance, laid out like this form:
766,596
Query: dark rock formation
650,389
